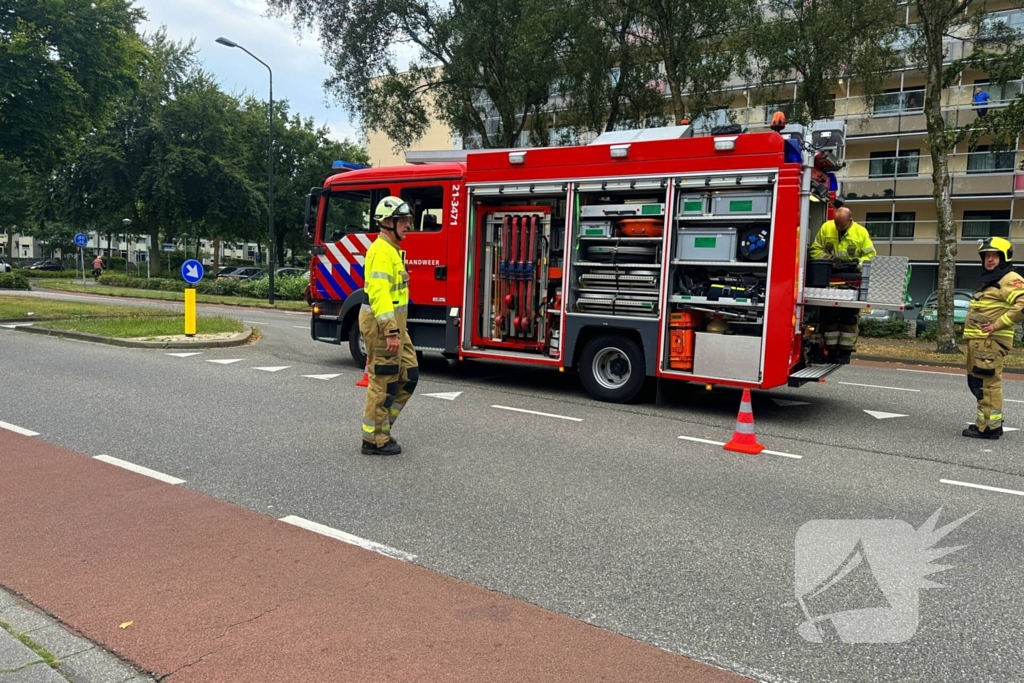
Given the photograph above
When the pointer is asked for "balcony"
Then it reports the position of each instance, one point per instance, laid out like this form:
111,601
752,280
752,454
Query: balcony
908,176
917,240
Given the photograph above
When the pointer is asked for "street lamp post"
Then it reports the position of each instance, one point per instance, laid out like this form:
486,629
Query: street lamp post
127,248
270,154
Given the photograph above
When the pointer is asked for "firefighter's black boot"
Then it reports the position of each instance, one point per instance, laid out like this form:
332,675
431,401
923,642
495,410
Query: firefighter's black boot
843,357
390,448
973,432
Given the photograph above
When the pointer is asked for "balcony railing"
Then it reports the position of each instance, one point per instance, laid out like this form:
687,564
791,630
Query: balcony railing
900,177
922,244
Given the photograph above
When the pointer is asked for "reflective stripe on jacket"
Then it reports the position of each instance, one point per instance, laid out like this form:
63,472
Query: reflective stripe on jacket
1002,305
387,284
856,236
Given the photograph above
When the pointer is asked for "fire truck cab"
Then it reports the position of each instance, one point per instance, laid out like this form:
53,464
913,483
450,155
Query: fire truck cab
647,253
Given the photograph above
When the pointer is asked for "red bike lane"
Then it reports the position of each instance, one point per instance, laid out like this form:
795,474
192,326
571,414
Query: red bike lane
216,592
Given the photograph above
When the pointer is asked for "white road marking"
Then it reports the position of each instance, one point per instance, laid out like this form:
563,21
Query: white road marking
1005,428
446,395
185,355
877,386
323,377
879,415
11,326
1010,400
139,469
274,368
17,430
720,443
348,538
980,486
534,412
258,322
929,372
225,361
301,327
785,402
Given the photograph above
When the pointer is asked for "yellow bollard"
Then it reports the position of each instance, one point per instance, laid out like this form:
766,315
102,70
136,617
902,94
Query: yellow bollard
190,312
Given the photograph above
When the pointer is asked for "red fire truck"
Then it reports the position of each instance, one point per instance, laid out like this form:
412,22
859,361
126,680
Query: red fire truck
649,253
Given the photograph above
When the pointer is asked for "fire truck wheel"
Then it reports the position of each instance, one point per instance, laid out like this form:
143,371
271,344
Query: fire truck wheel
612,368
356,346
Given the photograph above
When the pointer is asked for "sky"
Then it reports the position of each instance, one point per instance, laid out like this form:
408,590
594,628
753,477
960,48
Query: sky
299,69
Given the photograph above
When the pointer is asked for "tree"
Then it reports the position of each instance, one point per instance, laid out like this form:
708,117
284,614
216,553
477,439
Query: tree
65,64
14,199
489,65
821,42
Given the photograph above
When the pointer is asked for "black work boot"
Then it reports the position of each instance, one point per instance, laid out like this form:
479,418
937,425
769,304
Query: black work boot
390,448
843,357
973,432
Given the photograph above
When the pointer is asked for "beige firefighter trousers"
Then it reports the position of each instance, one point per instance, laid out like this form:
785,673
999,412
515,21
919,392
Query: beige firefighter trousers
393,378
985,380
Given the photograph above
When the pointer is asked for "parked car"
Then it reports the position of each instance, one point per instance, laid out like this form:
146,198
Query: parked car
5,267
930,315
281,272
245,274
226,270
49,264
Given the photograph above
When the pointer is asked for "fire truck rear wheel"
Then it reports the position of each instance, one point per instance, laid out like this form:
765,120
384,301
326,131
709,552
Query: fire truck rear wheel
612,368
356,346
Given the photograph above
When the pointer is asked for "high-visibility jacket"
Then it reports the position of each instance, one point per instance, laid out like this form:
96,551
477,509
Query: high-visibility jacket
387,286
856,236
1001,304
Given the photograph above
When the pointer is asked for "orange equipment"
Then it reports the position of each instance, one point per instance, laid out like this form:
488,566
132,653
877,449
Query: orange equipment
682,336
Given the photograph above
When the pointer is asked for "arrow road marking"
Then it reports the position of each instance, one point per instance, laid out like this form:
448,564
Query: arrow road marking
17,430
225,361
979,486
324,377
348,538
876,386
784,402
879,415
186,354
139,469
274,368
448,396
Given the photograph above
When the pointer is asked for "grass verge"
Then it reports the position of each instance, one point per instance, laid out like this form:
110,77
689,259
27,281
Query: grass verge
65,286
912,352
43,653
147,326
14,306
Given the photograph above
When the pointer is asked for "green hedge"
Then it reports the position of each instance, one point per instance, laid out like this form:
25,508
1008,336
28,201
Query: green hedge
889,329
287,288
13,281
68,274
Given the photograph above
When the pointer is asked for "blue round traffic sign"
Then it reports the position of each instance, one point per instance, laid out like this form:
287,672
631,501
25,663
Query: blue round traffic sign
81,239
192,271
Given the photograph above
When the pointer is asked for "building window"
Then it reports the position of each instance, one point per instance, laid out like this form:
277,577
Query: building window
982,224
899,102
884,225
1012,20
890,164
983,160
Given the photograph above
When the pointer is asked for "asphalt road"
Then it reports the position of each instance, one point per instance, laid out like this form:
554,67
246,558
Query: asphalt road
609,516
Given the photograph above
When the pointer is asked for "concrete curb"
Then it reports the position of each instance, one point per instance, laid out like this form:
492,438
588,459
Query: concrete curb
926,363
239,339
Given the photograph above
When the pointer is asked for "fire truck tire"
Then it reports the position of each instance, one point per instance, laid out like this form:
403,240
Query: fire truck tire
612,368
356,345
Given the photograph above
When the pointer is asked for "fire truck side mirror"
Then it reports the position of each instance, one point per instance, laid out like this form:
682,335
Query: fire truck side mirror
312,201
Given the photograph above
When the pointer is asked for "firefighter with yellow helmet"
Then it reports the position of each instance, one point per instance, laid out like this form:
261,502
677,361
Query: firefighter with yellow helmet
390,356
996,309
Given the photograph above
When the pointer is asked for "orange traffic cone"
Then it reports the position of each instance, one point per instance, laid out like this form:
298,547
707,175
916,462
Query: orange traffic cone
365,381
743,438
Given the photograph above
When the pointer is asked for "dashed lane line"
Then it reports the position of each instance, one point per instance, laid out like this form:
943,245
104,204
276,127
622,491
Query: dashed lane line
348,538
981,486
139,469
930,372
534,412
877,386
17,430
721,443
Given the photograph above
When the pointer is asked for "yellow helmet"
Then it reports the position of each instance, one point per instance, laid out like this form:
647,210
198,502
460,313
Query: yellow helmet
997,244
391,207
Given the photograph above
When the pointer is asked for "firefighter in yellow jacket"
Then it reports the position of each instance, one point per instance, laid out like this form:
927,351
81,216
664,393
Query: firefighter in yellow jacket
845,242
391,357
996,309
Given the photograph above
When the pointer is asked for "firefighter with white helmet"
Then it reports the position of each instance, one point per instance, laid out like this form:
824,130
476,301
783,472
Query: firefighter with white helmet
391,358
996,309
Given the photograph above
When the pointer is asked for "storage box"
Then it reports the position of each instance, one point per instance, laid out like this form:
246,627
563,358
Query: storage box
727,356
621,210
596,229
691,204
750,203
707,244
889,278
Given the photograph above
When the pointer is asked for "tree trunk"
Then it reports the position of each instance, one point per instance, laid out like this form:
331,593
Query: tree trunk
10,246
939,142
216,255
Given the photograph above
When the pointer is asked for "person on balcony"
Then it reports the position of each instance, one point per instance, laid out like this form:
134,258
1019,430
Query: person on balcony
981,99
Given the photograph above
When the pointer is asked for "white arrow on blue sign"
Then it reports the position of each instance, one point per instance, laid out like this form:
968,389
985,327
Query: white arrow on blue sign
192,271
81,239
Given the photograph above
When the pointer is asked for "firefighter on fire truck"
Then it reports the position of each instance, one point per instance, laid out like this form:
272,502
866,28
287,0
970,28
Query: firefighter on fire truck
390,355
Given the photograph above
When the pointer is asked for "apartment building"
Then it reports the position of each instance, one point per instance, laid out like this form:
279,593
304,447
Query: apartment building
887,181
